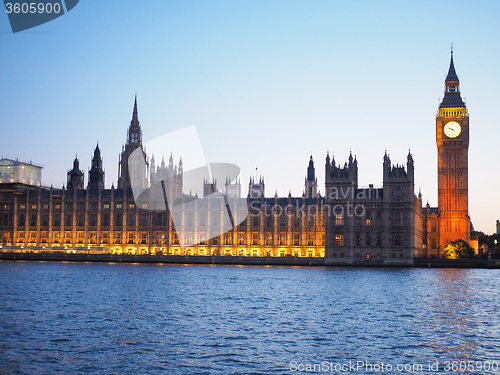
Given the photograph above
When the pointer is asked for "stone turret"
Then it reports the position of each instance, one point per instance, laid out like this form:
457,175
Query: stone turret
96,173
311,182
75,176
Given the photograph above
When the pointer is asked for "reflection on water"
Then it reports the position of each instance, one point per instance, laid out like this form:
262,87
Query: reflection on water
113,318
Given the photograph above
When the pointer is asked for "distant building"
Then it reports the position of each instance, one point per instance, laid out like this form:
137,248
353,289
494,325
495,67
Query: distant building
14,171
498,227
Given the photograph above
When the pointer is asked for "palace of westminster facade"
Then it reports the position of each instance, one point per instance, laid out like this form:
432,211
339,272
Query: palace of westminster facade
349,223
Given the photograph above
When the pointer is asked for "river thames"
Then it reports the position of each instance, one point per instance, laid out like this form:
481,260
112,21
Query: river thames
76,318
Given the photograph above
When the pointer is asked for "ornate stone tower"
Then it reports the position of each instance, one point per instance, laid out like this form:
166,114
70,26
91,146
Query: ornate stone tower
233,190
134,140
75,176
311,183
400,206
452,138
256,189
209,187
341,184
96,173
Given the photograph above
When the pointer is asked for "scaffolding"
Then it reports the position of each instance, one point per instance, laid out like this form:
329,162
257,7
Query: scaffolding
15,171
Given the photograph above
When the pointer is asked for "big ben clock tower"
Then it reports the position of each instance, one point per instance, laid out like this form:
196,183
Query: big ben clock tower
452,138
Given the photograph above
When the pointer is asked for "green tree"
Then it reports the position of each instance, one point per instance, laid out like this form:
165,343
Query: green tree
458,250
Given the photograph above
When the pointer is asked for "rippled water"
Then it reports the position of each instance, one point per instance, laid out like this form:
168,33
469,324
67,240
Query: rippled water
165,319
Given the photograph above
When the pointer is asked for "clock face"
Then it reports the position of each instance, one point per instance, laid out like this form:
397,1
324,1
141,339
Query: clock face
452,129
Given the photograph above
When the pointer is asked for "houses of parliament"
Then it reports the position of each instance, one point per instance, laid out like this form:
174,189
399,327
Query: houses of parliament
349,224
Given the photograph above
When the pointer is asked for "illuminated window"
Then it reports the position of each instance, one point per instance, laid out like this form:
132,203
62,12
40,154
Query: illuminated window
339,220
338,240
227,239
80,238
368,222
282,239
310,239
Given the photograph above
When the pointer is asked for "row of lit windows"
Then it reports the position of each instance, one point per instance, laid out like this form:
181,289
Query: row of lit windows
81,206
161,238
397,240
